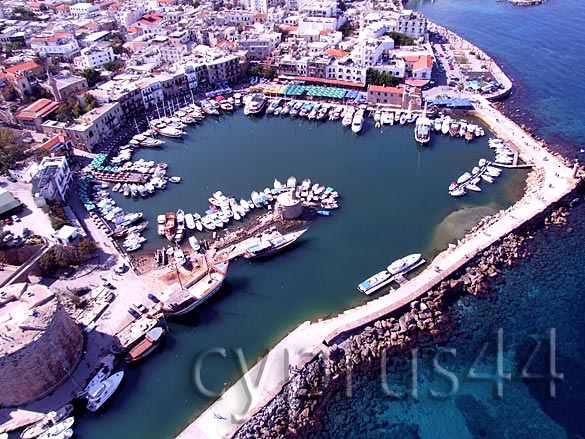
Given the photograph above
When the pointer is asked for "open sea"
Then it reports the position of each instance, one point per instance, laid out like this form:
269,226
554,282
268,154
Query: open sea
394,202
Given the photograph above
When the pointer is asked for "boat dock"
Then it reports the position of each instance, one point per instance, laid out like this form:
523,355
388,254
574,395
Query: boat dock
241,401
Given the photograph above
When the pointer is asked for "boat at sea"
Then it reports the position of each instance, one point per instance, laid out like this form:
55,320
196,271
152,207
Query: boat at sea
101,392
256,105
348,117
422,128
375,282
104,371
149,142
160,225
60,430
405,264
170,225
49,420
149,342
457,192
183,300
271,244
358,121
189,221
446,125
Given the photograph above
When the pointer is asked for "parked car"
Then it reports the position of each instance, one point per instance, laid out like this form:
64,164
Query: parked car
153,298
8,221
140,307
134,313
15,218
25,232
110,297
120,268
8,238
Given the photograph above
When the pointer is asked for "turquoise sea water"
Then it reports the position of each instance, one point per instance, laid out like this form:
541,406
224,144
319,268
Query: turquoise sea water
536,46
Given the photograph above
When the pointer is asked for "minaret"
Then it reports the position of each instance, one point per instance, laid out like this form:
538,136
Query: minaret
53,84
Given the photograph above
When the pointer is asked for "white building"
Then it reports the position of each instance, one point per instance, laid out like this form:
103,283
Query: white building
259,46
94,57
412,24
81,10
128,15
60,44
52,181
319,9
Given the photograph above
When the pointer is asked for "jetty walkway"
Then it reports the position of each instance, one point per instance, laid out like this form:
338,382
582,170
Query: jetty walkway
256,388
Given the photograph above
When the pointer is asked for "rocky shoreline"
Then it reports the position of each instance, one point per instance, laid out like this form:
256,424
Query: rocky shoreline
295,411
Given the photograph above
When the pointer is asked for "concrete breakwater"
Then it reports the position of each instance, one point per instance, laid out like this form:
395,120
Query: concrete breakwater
296,410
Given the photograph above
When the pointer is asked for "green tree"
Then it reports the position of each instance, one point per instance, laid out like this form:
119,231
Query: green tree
12,148
9,92
21,13
65,111
374,77
86,249
112,66
92,76
77,110
401,39
341,5
347,29
90,102
196,3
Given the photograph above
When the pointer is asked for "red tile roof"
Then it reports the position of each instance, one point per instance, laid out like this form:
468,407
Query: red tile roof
41,108
337,53
29,65
384,89
424,62
54,141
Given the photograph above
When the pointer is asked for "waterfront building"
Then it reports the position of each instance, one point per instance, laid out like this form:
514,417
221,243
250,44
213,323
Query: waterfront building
412,24
378,94
95,125
52,181
40,345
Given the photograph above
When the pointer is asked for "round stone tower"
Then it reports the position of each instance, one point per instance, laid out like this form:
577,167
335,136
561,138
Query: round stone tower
289,206
40,344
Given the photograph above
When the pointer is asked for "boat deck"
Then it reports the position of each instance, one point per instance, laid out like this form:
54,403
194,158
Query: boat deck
400,278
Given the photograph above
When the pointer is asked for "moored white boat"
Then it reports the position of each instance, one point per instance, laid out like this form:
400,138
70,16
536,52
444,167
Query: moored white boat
358,121
100,393
404,264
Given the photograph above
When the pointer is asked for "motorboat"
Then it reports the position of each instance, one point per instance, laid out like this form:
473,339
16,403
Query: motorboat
291,182
101,392
269,245
403,119
387,118
422,128
199,225
446,125
323,212
145,346
437,124
464,177
60,430
49,420
189,221
375,282
348,117
194,243
454,128
473,187
358,121
160,225
487,178
106,367
457,192
179,256
404,264
182,301
256,105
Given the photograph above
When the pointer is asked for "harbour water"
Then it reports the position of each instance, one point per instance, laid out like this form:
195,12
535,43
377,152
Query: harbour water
394,202
535,45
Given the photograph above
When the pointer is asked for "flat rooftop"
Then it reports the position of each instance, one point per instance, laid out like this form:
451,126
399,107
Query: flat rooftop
25,312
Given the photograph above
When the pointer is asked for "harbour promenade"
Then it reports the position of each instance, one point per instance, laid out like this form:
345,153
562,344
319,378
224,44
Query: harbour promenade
257,387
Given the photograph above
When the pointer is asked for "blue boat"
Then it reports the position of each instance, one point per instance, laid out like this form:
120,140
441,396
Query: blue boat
324,212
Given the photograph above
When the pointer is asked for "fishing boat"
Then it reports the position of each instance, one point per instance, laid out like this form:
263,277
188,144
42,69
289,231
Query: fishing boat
60,430
271,244
404,264
50,419
148,344
194,243
170,225
175,179
181,301
387,118
375,282
454,128
101,392
256,105
422,128
358,121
